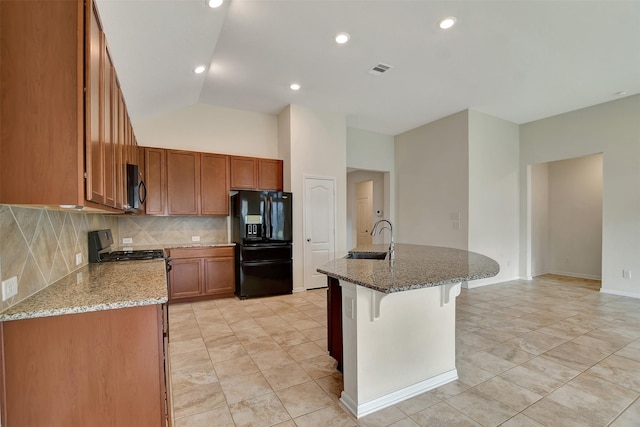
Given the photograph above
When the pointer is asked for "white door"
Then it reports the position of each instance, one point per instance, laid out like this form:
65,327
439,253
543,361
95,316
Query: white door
364,206
319,229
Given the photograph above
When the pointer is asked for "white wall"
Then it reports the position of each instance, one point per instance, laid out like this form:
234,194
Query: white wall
493,193
575,217
613,129
212,129
432,169
539,219
378,203
374,151
318,146
369,150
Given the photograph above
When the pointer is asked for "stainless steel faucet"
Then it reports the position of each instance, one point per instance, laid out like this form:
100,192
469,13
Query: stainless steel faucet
392,248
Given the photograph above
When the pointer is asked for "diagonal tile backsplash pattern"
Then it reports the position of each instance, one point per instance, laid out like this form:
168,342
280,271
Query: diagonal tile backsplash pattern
39,246
172,230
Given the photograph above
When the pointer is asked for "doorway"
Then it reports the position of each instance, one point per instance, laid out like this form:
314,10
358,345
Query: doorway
565,212
319,228
380,207
364,212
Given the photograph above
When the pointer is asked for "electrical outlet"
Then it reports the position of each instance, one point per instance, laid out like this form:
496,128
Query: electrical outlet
195,238
79,258
626,274
127,240
9,288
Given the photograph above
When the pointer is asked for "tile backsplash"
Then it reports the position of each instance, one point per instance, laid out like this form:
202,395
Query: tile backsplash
171,230
39,246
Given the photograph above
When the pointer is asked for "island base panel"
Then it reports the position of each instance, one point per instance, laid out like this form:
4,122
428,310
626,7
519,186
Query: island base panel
396,345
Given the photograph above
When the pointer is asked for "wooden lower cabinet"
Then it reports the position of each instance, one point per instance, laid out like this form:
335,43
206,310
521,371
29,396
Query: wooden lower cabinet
102,368
201,273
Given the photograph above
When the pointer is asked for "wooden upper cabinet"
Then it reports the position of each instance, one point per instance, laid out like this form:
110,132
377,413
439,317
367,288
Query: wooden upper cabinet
251,173
42,103
270,174
214,184
109,129
95,104
244,173
155,180
66,110
183,183
186,182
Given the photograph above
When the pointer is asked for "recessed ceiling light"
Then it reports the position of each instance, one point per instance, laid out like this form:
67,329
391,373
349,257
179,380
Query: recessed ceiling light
621,93
342,38
199,69
295,86
214,3
448,22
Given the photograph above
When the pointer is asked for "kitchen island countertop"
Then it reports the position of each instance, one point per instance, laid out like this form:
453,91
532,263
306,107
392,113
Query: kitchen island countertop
97,287
415,267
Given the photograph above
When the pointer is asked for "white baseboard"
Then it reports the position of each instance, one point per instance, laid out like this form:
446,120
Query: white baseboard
486,282
620,293
578,275
360,410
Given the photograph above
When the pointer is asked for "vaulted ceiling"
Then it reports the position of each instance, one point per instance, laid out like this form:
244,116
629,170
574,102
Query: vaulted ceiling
518,60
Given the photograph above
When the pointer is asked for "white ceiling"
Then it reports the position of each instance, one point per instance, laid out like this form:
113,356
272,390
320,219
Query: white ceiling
515,59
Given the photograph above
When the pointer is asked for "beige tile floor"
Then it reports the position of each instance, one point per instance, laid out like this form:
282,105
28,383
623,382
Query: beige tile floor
550,352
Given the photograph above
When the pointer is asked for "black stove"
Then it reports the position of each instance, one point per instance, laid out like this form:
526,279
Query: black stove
100,249
130,255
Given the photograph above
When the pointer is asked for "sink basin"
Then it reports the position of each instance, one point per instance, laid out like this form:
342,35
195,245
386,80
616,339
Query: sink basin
366,255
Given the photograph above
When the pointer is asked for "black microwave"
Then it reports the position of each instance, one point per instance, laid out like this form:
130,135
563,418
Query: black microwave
136,190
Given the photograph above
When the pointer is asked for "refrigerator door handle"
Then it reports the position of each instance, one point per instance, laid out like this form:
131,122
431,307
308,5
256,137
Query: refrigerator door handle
270,217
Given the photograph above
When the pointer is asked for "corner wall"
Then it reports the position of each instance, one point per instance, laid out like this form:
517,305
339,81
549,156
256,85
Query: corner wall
493,193
432,185
318,143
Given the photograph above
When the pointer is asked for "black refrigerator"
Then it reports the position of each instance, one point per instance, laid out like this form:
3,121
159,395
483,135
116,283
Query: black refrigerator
262,230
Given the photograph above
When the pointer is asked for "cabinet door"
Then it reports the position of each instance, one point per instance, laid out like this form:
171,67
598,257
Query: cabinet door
214,184
185,278
102,368
183,183
219,276
155,180
270,174
118,144
94,150
109,130
244,171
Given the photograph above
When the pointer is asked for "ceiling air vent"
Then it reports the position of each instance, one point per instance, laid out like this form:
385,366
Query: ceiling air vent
380,69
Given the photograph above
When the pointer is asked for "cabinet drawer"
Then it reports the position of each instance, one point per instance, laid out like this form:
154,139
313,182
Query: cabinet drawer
178,253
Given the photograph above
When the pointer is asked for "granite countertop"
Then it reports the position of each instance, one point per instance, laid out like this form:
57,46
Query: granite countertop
171,246
199,245
97,287
415,267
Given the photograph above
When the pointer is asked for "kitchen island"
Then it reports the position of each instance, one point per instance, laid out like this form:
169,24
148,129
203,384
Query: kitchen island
89,350
392,321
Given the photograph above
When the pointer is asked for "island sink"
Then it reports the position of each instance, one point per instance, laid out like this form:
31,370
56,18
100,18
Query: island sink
366,255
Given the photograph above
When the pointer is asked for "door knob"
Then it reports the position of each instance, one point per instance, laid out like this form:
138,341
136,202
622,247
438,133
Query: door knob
308,240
